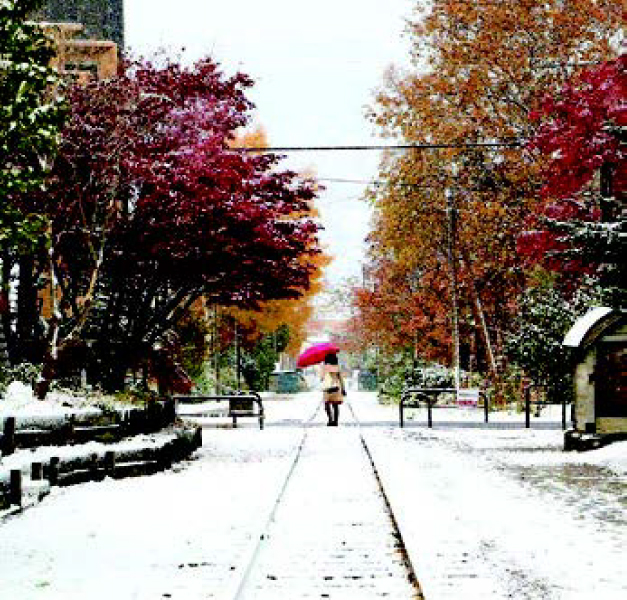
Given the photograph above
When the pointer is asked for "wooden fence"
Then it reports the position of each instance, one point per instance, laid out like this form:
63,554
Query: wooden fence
94,466
107,426
119,463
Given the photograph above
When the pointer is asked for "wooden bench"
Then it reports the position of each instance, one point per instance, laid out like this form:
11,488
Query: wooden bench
248,404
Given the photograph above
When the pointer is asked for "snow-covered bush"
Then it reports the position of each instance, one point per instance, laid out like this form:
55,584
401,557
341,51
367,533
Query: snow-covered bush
25,373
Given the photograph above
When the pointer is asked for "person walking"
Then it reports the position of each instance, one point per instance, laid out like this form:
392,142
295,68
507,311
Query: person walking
333,389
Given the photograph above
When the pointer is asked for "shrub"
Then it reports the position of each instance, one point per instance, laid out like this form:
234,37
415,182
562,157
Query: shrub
27,373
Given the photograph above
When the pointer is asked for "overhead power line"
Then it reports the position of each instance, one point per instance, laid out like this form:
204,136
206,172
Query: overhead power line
375,182
504,144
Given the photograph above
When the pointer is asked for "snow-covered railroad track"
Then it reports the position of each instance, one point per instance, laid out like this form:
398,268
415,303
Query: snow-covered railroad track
337,539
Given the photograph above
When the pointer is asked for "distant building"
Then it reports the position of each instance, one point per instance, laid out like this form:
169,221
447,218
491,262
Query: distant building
101,19
324,329
81,59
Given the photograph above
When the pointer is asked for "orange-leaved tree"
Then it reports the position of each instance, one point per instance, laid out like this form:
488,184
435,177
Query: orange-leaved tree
448,217
284,319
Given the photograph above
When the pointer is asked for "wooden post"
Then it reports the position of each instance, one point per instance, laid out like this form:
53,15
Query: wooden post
429,413
486,407
527,406
197,438
68,430
15,487
53,470
36,471
109,463
165,456
8,439
93,466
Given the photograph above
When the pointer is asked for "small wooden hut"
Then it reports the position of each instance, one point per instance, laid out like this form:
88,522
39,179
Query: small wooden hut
599,343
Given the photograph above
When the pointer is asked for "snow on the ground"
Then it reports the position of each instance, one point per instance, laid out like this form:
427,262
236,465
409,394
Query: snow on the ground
488,513
505,429
177,534
478,523
18,401
494,513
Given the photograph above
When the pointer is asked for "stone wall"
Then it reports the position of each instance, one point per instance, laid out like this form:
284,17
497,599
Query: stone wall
584,391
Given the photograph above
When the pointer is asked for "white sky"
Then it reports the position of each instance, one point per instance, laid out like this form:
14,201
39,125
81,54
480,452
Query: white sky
316,65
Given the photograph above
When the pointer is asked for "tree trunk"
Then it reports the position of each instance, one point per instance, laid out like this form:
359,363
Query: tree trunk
27,313
113,362
5,309
480,316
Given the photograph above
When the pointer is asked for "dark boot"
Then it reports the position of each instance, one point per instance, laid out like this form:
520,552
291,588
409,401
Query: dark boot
328,409
336,413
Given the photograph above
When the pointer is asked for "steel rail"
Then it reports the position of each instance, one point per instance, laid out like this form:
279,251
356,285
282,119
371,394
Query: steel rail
413,578
240,586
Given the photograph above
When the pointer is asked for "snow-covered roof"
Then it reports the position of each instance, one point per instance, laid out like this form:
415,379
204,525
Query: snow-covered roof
584,324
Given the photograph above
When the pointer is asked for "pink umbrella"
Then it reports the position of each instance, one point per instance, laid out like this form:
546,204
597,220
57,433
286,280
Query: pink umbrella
316,353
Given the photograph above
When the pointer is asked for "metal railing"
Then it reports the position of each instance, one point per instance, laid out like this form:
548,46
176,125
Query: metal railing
429,396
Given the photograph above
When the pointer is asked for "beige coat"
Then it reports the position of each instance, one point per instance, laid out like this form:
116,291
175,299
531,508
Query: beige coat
336,379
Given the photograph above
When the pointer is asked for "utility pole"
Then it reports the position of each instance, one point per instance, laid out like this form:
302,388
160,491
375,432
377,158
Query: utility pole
238,358
216,348
451,212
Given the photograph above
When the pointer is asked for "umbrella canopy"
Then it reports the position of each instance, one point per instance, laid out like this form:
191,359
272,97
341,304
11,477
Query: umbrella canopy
316,353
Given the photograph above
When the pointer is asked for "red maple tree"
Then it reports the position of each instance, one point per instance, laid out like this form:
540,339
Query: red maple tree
581,134
150,209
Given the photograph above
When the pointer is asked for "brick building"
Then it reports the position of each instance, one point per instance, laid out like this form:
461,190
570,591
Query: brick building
80,58
101,19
